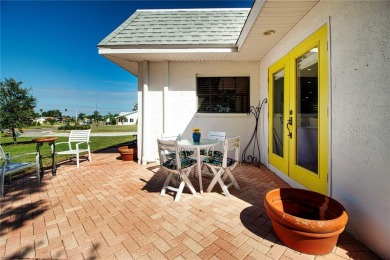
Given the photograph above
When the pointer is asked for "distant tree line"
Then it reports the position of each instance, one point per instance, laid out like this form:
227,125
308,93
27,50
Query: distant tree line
56,115
94,118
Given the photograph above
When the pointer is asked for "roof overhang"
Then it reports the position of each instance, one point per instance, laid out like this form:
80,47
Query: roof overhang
277,17
268,22
128,58
105,51
250,21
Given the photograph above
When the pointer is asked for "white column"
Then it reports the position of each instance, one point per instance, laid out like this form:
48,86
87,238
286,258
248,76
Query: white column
145,89
165,94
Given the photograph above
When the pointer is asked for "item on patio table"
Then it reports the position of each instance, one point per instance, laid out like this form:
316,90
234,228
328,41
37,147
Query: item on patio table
196,135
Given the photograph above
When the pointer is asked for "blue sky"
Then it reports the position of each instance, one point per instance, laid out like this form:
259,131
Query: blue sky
51,47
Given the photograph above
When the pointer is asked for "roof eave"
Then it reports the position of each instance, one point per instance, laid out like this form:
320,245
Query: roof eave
251,19
155,49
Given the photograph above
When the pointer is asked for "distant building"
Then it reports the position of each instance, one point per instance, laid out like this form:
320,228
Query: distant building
127,118
40,120
85,121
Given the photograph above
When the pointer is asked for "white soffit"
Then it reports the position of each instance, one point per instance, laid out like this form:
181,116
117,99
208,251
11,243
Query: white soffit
280,16
130,66
180,56
129,61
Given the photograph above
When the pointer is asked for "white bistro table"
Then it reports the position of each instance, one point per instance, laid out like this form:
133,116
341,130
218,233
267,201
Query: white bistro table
203,144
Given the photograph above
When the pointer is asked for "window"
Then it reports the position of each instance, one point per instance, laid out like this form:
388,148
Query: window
223,94
131,120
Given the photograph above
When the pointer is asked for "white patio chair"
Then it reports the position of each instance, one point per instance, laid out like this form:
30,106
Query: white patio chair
176,137
222,167
214,135
8,167
177,170
77,144
171,136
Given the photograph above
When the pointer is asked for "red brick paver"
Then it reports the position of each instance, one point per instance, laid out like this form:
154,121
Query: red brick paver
111,209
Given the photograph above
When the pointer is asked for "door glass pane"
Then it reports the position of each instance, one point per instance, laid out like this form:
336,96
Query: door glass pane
307,110
278,105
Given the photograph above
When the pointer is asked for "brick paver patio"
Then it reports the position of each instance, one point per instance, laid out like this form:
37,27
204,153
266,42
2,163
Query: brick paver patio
111,209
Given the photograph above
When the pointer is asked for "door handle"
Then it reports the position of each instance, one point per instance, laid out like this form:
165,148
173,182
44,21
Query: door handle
289,122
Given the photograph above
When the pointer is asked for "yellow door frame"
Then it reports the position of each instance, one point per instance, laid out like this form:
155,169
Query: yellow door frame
287,164
280,162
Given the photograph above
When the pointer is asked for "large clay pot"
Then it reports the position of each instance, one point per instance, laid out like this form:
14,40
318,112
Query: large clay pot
128,153
306,221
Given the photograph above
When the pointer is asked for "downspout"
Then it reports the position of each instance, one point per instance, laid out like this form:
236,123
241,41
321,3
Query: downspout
145,89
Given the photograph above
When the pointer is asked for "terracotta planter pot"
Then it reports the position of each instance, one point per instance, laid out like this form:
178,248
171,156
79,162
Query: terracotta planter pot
306,221
128,153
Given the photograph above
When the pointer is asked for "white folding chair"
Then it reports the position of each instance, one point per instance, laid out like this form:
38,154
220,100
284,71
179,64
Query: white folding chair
222,167
171,136
8,166
177,169
78,143
176,137
214,135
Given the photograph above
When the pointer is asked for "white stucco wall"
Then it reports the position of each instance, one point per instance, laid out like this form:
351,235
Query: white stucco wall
180,101
359,110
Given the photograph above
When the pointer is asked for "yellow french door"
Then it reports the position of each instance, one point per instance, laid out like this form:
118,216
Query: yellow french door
279,107
298,113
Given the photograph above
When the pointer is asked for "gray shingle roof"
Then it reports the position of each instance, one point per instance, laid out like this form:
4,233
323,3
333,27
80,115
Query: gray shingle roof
179,27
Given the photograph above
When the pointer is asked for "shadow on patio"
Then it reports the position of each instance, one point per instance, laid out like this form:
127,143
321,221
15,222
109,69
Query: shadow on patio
111,209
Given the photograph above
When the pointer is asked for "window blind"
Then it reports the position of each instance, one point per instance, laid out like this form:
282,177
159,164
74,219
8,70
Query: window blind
223,94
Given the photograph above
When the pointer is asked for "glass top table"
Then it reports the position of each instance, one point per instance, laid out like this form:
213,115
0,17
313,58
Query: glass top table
197,146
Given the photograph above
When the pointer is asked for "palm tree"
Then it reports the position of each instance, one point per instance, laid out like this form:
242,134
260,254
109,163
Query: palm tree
96,116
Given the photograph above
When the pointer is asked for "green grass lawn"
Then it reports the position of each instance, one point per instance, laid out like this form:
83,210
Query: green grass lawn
43,126
114,128
25,145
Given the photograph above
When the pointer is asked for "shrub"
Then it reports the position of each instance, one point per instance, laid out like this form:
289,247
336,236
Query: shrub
74,127
8,132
